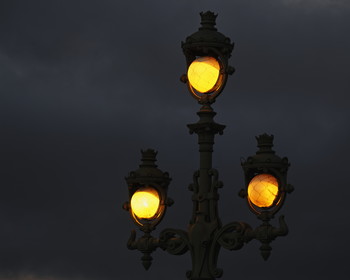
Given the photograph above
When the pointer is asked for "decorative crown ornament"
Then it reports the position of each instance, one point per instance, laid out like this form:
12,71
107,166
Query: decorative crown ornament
265,143
208,20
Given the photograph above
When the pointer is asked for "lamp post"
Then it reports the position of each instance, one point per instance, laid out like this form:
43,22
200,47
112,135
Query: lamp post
207,52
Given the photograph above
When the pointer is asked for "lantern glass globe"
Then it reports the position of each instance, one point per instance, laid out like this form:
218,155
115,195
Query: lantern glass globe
145,203
263,190
203,74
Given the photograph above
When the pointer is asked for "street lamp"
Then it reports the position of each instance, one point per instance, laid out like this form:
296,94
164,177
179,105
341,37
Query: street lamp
207,52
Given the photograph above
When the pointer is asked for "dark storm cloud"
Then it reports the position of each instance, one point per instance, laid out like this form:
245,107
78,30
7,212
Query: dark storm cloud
86,84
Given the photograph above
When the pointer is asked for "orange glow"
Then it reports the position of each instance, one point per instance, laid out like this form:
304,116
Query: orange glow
145,203
263,190
203,73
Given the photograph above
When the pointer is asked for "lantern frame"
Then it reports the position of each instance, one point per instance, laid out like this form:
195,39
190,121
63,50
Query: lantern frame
265,161
207,41
148,176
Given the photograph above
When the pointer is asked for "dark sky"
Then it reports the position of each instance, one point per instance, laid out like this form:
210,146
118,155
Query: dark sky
84,85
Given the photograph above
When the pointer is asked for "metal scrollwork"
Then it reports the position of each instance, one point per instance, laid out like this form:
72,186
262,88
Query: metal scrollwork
174,241
194,187
233,235
216,183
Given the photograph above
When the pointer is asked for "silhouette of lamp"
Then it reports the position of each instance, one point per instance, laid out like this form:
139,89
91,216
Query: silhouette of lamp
207,52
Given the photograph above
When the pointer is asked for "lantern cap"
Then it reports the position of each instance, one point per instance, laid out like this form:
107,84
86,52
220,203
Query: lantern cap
148,173
207,40
265,158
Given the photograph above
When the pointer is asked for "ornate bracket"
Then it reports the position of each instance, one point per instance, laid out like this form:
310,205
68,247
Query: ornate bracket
266,233
145,244
173,241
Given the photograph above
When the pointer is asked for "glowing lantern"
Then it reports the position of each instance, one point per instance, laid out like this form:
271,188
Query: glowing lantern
145,203
263,190
203,73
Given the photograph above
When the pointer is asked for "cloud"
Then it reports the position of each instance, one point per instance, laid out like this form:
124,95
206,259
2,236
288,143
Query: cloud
86,85
318,3
37,277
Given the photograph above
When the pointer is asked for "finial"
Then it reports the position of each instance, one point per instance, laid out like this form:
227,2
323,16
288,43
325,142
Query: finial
208,20
265,143
148,157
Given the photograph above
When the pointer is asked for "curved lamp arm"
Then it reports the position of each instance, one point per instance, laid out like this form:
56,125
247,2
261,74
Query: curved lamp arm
233,235
174,241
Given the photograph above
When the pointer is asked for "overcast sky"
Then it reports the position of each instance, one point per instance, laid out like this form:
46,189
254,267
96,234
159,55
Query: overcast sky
84,85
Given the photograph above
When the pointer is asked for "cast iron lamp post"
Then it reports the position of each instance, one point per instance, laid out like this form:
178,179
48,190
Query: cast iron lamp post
207,52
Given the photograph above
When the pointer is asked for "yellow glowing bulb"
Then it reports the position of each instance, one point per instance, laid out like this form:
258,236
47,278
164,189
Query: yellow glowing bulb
203,73
263,190
145,203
